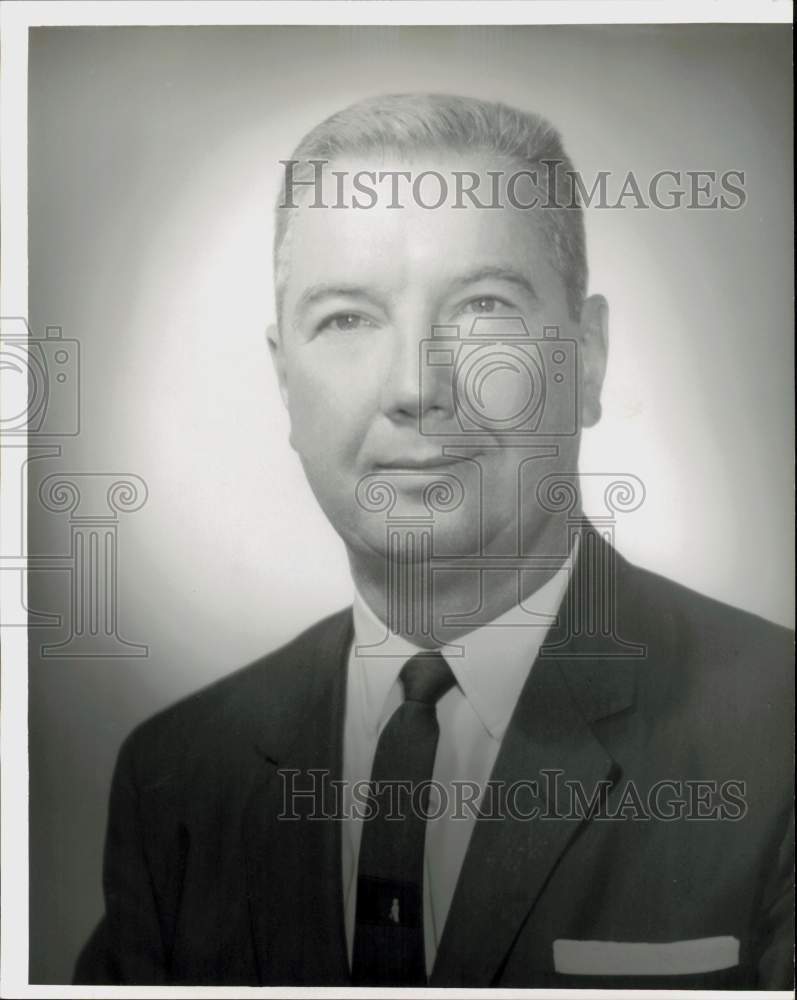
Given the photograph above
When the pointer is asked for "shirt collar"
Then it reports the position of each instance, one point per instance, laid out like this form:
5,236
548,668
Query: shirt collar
378,670
490,663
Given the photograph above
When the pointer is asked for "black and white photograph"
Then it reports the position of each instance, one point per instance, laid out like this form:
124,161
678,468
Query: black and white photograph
397,542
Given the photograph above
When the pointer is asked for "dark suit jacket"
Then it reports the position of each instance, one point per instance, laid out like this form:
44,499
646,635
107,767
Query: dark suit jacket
205,885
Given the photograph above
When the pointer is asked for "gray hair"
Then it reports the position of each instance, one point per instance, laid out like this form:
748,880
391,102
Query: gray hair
422,122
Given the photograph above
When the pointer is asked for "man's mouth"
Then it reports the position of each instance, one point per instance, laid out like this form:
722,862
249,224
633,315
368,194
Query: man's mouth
416,463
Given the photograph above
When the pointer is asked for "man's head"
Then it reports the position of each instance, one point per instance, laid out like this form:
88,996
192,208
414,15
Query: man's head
447,240
405,125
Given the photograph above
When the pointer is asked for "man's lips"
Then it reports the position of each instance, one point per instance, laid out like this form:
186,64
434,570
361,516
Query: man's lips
417,463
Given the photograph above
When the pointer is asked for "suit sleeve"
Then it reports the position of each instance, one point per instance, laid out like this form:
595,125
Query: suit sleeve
776,964
126,947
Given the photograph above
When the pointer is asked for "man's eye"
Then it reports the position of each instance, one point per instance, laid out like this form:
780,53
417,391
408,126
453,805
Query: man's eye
485,304
345,323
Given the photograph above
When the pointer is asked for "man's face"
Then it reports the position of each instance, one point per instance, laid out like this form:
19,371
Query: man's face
370,399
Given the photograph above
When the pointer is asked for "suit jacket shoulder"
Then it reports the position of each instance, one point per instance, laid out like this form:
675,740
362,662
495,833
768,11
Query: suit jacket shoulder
728,663
263,699
714,696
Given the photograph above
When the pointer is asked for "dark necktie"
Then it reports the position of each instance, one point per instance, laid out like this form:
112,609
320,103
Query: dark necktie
388,937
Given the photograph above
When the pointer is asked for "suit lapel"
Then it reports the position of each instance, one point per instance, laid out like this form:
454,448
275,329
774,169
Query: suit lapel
508,861
294,865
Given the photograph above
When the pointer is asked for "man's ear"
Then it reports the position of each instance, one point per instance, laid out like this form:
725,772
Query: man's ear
278,359
594,347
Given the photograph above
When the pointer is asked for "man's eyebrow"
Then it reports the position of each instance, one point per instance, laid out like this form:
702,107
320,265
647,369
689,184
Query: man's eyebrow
497,273
314,293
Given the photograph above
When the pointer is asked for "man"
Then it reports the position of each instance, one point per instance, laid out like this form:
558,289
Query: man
518,761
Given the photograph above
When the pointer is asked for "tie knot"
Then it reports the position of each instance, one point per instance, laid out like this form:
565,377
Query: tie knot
426,678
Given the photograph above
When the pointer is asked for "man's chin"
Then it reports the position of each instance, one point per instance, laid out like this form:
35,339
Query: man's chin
414,541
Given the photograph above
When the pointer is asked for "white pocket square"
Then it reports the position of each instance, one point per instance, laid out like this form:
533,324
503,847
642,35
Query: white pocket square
640,958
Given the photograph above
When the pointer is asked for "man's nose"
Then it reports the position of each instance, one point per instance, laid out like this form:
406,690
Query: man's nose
411,388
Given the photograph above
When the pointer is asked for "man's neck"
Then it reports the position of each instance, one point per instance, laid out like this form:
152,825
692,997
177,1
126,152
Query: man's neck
426,606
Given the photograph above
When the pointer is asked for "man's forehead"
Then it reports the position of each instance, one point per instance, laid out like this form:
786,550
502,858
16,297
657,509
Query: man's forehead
335,241
392,254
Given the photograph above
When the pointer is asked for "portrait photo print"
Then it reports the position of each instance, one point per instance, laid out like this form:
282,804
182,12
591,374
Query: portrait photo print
405,543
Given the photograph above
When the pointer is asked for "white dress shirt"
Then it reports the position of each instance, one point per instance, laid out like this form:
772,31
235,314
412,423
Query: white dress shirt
473,716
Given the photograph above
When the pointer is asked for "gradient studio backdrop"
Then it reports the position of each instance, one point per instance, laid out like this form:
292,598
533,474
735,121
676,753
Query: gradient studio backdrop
153,169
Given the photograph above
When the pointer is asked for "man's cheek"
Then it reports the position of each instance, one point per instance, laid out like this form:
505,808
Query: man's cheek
322,435
306,429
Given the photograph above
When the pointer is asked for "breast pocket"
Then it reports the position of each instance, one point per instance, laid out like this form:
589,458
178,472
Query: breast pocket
697,956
